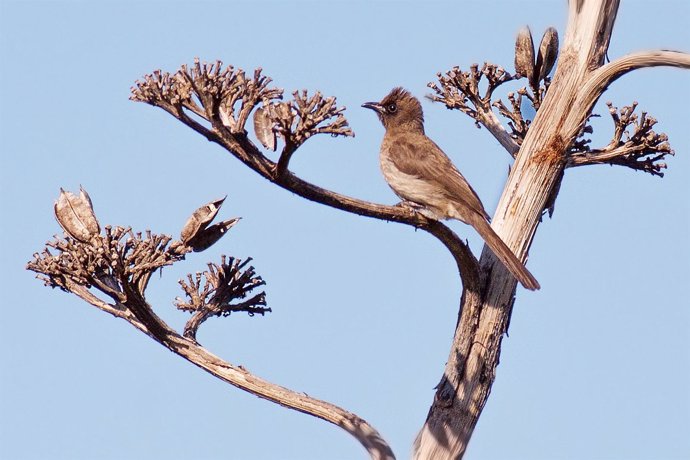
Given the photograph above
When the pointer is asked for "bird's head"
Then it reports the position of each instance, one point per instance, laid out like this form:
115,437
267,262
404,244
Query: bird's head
399,109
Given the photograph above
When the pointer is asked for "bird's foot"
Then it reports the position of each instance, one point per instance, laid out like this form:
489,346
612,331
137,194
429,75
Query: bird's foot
418,209
409,206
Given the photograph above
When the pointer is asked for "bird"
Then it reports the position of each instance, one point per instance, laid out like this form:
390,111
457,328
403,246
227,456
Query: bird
423,176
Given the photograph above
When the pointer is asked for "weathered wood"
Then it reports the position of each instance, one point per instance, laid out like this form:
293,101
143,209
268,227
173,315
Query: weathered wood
141,316
537,172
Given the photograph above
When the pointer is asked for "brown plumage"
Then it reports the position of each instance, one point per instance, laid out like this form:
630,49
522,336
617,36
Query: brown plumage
420,173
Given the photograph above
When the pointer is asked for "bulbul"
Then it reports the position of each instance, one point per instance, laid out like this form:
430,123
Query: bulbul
421,174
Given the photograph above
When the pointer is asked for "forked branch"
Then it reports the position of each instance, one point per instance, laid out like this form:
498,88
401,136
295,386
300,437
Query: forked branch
298,120
460,90
295,123
635,144
598,80
223,291
116,263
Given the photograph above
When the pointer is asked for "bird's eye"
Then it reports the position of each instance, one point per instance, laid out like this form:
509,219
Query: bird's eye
391,108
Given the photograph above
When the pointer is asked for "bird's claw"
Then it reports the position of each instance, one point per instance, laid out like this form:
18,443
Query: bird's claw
409,206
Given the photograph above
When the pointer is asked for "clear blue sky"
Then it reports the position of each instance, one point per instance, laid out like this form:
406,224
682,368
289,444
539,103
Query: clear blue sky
597,364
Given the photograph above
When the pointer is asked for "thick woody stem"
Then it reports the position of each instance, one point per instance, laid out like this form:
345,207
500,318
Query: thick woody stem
580,79
471,367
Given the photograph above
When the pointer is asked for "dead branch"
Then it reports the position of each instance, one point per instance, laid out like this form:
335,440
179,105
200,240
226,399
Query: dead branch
634,144
162,90
304,116
117,262
459,90
517,124
223,285
168,96
599,79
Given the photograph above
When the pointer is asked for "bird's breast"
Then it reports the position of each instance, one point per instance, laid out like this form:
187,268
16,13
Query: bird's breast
413,188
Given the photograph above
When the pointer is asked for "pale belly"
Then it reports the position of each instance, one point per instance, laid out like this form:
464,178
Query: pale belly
418,191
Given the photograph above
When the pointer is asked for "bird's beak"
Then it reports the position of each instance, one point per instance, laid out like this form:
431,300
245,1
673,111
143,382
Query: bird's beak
375,106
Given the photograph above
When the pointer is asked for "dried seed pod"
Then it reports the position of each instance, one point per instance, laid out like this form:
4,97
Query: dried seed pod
263,128
548,52
75,215
109,281
282,114
85,196
524,53
209,236
200,219
226,117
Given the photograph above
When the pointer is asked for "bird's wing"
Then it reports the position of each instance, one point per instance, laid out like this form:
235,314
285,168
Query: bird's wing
422,158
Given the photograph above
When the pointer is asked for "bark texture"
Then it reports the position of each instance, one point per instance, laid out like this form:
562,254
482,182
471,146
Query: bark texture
536,175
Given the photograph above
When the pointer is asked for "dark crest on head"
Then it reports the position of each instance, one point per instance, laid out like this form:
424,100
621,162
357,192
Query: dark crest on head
400,108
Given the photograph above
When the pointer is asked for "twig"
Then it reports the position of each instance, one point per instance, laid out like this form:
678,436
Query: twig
304,116
459,90
518,125
600,79
642,149
223,285
225,98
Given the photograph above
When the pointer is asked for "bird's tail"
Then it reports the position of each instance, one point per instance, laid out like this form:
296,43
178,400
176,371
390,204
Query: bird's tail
503,252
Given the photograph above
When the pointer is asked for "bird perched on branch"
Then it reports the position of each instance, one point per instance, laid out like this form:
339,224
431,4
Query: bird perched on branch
421,174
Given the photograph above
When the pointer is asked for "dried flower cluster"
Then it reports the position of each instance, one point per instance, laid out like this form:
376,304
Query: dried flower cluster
225,97
120,262
107,262
516,122
299,119
222,96
222,284
460,90
634,144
